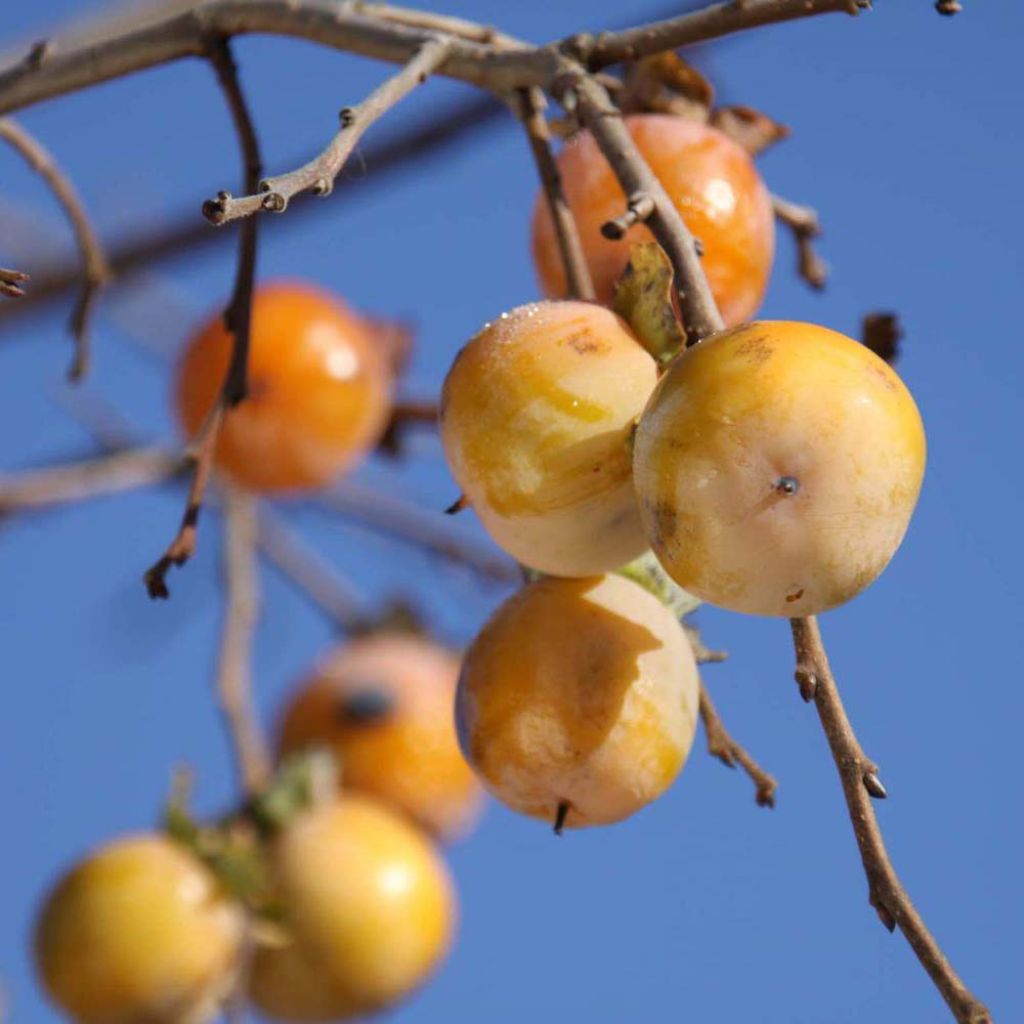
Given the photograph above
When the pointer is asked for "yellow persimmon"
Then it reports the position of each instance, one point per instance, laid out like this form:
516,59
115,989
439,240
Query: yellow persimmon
578,700
777,466
370,912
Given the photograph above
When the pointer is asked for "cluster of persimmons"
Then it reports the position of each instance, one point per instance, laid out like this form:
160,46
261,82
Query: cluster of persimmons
771,469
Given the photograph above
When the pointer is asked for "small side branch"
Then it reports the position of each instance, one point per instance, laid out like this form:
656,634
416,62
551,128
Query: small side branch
406,414
577,274
730,753
803,222
11,282
697,306
237,319
859,778
95,271
319,174
234,675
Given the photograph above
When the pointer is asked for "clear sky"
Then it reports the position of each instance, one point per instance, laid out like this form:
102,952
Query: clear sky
703,907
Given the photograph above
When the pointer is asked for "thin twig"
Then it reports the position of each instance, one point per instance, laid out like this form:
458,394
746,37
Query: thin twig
730,753
286,550
859,778
406,414
804,223
53,71
130,255
88,478
237,319
94,271
697,305
577,274
234,674
396,520
319,174
11,282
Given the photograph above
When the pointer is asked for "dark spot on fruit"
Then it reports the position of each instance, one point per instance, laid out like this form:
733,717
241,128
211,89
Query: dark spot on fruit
584,343
365,706
664,521
795,596
756,350
787,485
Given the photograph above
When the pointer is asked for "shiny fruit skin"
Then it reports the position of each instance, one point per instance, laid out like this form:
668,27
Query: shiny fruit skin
138,933
715,187
583,691
407,754
777,466
370,909
536,417
319,390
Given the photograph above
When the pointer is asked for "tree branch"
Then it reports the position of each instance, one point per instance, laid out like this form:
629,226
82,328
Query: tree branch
295,560
577,274
803,222
711,22
319,174
396,520
94,272
699,312
237,318
234,675
76,481
496,65
859,778
730,753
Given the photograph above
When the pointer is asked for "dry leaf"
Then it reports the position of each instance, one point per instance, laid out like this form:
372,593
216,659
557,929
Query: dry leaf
754,131
882,333
643,298
666,84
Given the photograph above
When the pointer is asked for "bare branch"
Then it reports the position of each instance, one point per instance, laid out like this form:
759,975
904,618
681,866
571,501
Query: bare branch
497,64
859,778
730,753
804,223
293,558
697,27
577,274
394,519
406,414
234,675
136,253
89,478
237,318
602,117
319,174
94,271
11,282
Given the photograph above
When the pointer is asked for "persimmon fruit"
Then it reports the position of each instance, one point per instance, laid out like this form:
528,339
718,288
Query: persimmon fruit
139,932
319,390
370,911
715,187
777,466
536,416
383,705
578,700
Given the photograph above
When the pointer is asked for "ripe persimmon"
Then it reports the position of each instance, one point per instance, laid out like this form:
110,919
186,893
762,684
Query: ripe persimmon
578,700
715,187
777,466
383,705
319,390
369,913
536,415
139,932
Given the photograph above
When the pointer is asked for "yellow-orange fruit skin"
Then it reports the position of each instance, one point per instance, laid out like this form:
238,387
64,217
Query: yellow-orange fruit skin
370,914
138,933
777,466
409,757
715,187
581,691
536,415
319,390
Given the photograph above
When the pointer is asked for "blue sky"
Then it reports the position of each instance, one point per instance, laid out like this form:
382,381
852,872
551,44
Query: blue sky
703,906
